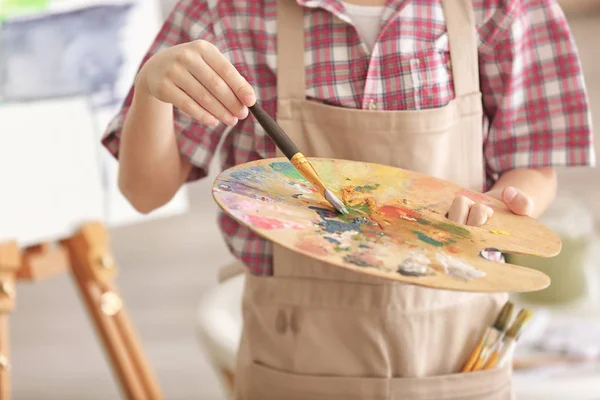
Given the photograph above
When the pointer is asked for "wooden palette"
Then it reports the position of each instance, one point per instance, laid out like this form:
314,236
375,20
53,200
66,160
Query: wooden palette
396,229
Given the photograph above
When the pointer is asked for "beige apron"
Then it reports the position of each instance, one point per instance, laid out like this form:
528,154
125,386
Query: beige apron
314,331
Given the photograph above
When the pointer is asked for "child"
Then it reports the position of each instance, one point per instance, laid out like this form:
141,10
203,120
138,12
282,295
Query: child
488,94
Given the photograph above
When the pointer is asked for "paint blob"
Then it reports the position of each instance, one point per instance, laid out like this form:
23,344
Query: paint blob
416,264
268,223
426,239
499,232
458,268
288,169
362,259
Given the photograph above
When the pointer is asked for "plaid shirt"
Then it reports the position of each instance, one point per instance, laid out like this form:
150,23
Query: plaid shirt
534,98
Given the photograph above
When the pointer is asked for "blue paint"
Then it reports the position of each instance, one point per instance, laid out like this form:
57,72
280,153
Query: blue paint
333,226
332,240
336,225
323,212
255,174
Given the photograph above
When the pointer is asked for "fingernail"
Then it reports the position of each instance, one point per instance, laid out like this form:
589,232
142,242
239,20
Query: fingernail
232,121
248,100
213,122
510,193
243,114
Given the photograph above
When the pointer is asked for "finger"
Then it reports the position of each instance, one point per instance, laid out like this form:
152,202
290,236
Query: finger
479,214
218,88
459,210
185,103
221,65
194,89
517,201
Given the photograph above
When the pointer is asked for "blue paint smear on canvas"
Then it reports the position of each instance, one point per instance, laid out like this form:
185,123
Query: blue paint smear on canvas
73,53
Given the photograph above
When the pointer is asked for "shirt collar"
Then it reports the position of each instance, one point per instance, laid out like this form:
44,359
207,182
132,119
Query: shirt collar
336,7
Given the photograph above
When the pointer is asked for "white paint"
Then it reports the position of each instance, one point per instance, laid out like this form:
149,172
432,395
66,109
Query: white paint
416,263
458,268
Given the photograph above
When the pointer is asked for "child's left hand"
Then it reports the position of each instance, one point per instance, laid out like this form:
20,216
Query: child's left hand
465,211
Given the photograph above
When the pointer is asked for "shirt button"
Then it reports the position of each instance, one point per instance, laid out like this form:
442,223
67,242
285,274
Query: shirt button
372,105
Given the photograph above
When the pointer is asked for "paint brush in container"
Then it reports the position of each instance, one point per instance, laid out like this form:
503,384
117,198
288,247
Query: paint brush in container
298,160
490,339
504,355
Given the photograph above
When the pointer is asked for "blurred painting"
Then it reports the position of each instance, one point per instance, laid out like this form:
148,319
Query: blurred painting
66,53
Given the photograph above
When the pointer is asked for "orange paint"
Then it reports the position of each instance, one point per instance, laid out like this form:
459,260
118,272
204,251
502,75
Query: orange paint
453,249
398,212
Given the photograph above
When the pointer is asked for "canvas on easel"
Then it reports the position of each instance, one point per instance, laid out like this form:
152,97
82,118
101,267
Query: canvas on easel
65,66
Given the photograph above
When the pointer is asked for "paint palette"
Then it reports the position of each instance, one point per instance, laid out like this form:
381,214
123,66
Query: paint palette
396,228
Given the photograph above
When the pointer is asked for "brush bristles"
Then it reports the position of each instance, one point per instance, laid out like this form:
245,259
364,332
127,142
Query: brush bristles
335,202
517,327
504,317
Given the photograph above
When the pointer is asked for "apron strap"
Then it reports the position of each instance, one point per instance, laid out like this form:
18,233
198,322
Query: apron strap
463,40
291,78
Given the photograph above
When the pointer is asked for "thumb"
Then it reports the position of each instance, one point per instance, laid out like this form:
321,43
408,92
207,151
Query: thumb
517,201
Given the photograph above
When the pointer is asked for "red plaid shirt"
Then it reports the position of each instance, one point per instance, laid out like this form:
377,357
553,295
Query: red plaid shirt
535,102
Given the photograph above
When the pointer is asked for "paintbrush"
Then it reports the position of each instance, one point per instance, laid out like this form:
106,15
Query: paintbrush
298,160
494,343
509,343
490,339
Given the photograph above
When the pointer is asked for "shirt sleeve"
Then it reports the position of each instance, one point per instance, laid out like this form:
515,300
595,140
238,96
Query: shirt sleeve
189,20
534,94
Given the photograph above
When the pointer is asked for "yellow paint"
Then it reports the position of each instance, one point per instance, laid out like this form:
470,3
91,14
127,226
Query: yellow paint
499,232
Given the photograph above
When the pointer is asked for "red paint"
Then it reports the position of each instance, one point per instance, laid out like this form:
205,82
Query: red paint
308,187
397,211
476,197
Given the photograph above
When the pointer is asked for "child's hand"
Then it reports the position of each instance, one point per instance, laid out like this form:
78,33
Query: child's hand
196,78
465,211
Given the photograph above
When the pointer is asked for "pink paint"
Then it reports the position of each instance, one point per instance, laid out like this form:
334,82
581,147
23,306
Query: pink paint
267,223
310,245
476,197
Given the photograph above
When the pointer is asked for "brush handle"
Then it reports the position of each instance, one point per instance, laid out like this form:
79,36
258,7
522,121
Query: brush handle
281,139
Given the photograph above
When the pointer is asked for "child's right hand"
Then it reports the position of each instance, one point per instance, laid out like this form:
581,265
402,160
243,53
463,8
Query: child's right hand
196,78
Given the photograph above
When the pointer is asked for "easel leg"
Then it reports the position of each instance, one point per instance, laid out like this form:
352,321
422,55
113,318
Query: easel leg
10,261
4,357
94,270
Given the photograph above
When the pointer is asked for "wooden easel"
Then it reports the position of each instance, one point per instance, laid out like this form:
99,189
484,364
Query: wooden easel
88,256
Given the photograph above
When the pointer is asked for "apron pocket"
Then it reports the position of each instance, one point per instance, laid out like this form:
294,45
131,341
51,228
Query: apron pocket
264,383
494,384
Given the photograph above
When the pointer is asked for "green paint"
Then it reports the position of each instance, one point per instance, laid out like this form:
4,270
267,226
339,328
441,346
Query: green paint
423,221
13,8
348,179
454,229
359,210
366,188
424,238
287,169
339,249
